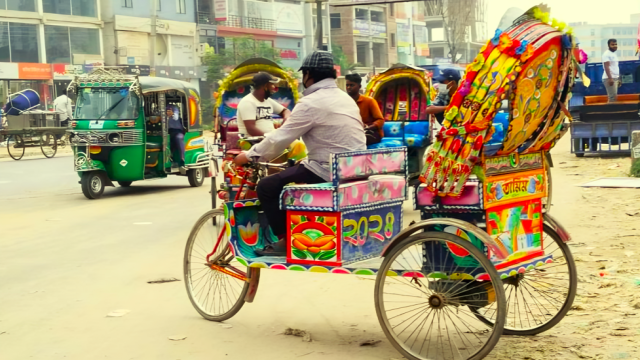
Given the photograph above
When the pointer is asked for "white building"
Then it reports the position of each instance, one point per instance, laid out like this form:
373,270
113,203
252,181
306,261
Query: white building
593,38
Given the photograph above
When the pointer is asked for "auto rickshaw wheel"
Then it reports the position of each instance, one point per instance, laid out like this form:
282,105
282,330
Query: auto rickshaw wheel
92,183
125,183
196,177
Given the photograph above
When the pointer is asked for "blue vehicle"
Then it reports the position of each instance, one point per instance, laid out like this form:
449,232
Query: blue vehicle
598,126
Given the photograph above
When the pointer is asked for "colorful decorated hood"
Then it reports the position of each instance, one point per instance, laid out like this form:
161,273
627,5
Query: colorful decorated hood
528,66
238,84
401,92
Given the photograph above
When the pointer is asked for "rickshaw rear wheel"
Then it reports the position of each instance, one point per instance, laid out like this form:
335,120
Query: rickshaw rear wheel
539,298
423,296
48,145
92,183
196,177
213,289
125,183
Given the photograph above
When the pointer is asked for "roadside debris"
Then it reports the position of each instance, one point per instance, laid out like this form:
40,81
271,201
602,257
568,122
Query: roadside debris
305,335
370,342
162,280
177,337
118,313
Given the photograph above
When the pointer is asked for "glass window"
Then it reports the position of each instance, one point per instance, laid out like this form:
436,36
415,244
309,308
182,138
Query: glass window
181,7
127,3
5,54
377,16
83,8
24,42
362,14
57,6
57,44
93,104
84,41
20,5
593,32
159,5
335,21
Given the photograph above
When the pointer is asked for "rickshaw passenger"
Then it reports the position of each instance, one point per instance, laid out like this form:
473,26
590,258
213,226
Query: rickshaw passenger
176,135
328,120
255,109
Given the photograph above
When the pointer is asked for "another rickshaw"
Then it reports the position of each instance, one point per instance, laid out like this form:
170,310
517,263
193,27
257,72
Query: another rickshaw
483,261
232,89
402,93
120,131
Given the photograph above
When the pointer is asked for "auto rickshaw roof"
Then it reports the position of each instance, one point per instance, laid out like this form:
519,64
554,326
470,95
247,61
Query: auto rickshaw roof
257,61
402,66
153,84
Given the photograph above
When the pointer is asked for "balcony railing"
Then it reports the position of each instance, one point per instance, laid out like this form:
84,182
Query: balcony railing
238,22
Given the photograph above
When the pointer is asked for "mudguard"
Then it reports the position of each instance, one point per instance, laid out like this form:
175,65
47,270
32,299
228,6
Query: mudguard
557,227
254,279
462,225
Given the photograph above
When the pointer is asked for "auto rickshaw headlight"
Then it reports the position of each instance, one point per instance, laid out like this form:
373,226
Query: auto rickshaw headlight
74,124
95,149
126,123
114,138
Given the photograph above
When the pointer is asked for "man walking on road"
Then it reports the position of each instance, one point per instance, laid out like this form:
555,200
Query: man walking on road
611,74
62,105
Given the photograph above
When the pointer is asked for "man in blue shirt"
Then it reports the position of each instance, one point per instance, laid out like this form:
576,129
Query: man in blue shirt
448,79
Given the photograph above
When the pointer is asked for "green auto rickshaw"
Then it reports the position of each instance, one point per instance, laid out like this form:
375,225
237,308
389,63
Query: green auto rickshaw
120,130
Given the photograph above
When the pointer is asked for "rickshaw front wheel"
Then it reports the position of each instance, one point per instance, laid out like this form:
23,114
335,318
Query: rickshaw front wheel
92,183
217,283
196,177
424,291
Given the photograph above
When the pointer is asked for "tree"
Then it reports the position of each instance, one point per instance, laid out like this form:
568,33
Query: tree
458,16
340,59
241,49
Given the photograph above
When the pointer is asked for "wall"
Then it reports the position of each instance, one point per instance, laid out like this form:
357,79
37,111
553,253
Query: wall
291,44
142,9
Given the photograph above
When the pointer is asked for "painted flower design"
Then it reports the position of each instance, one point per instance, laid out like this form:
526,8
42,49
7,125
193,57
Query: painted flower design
249,233
496,37
395,129
478,63
451,113
527,53
505,42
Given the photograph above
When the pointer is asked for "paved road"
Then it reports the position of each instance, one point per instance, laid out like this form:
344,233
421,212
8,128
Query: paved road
65,262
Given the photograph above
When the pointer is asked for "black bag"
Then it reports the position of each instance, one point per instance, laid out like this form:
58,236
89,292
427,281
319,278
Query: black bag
372,135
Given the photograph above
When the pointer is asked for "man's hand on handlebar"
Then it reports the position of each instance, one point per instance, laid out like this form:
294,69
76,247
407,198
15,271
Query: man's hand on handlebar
241,159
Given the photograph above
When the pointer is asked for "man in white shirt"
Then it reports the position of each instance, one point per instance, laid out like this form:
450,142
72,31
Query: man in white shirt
611,74
62,105
255,110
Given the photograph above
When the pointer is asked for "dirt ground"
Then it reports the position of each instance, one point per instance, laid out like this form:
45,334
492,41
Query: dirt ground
605,227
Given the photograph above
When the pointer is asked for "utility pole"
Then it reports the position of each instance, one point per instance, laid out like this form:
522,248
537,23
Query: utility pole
152,46
319,22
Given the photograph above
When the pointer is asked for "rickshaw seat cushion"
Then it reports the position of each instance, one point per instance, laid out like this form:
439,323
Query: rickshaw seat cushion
387,143
154,146
232,140
362,164
376,189
469,199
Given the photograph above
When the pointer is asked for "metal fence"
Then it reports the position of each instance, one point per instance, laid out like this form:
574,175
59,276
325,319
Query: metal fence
247,23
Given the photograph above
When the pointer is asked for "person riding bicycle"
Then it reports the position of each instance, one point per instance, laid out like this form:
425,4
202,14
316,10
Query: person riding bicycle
328,120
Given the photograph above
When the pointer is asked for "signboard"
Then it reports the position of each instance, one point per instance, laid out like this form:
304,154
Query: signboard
505,164
35,71
404,35
170,27
180,72
141,70
183,50
361,27
515,187
220,9
365,2
290,18
66,71
130,23
421,40
8,71
289,54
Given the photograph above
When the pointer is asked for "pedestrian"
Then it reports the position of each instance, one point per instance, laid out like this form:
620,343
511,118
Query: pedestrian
611,73
370,113
62,105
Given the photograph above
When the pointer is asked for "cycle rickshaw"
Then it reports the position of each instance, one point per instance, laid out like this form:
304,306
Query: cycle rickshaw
485,260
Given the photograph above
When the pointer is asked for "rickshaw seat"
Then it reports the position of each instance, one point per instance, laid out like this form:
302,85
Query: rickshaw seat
153,147
359,179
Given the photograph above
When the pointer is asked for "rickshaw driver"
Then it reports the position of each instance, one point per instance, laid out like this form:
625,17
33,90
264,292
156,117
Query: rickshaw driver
255,109
328,120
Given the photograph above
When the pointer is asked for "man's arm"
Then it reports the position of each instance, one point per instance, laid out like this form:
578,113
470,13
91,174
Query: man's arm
285,114
607,70
252,128
435,109
69,109
378,119
275,142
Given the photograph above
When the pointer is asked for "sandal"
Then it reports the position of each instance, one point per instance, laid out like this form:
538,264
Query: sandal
278,248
